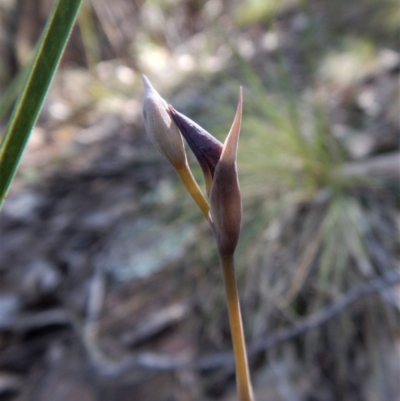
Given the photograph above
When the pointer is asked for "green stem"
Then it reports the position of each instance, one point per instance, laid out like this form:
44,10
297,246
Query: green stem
235,319
191,185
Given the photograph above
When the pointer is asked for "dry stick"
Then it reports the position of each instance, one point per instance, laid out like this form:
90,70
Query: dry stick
35,321
235,319
159,362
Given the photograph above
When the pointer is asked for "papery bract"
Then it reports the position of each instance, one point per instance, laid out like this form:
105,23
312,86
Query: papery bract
225,197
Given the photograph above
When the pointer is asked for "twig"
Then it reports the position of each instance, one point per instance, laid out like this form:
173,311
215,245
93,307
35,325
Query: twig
166,363
324,316
160,321
387,165
31,321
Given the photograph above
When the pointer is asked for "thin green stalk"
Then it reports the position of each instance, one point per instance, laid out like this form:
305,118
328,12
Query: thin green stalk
191,185
29,104
235,320
89,36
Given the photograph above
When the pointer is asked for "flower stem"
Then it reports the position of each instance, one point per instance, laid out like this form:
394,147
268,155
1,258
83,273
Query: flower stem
191,185
235,319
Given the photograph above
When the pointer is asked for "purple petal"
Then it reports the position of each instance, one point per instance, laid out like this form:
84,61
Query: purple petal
205,147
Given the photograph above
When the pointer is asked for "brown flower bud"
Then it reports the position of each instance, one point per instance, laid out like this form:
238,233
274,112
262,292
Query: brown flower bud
161,128
225,197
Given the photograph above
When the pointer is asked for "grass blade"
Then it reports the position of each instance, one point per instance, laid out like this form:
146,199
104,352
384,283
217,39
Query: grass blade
13,89
29,104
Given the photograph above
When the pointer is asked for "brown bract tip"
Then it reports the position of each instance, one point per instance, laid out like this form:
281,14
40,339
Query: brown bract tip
225,196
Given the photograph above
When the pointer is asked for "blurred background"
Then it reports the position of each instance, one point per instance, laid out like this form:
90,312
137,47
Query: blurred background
110,285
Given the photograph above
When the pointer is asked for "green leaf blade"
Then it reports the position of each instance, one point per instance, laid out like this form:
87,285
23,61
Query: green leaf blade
26,111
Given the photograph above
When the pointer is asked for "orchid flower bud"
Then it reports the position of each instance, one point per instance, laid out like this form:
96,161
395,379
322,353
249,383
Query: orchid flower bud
205,147
161,128
218,163
225,197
